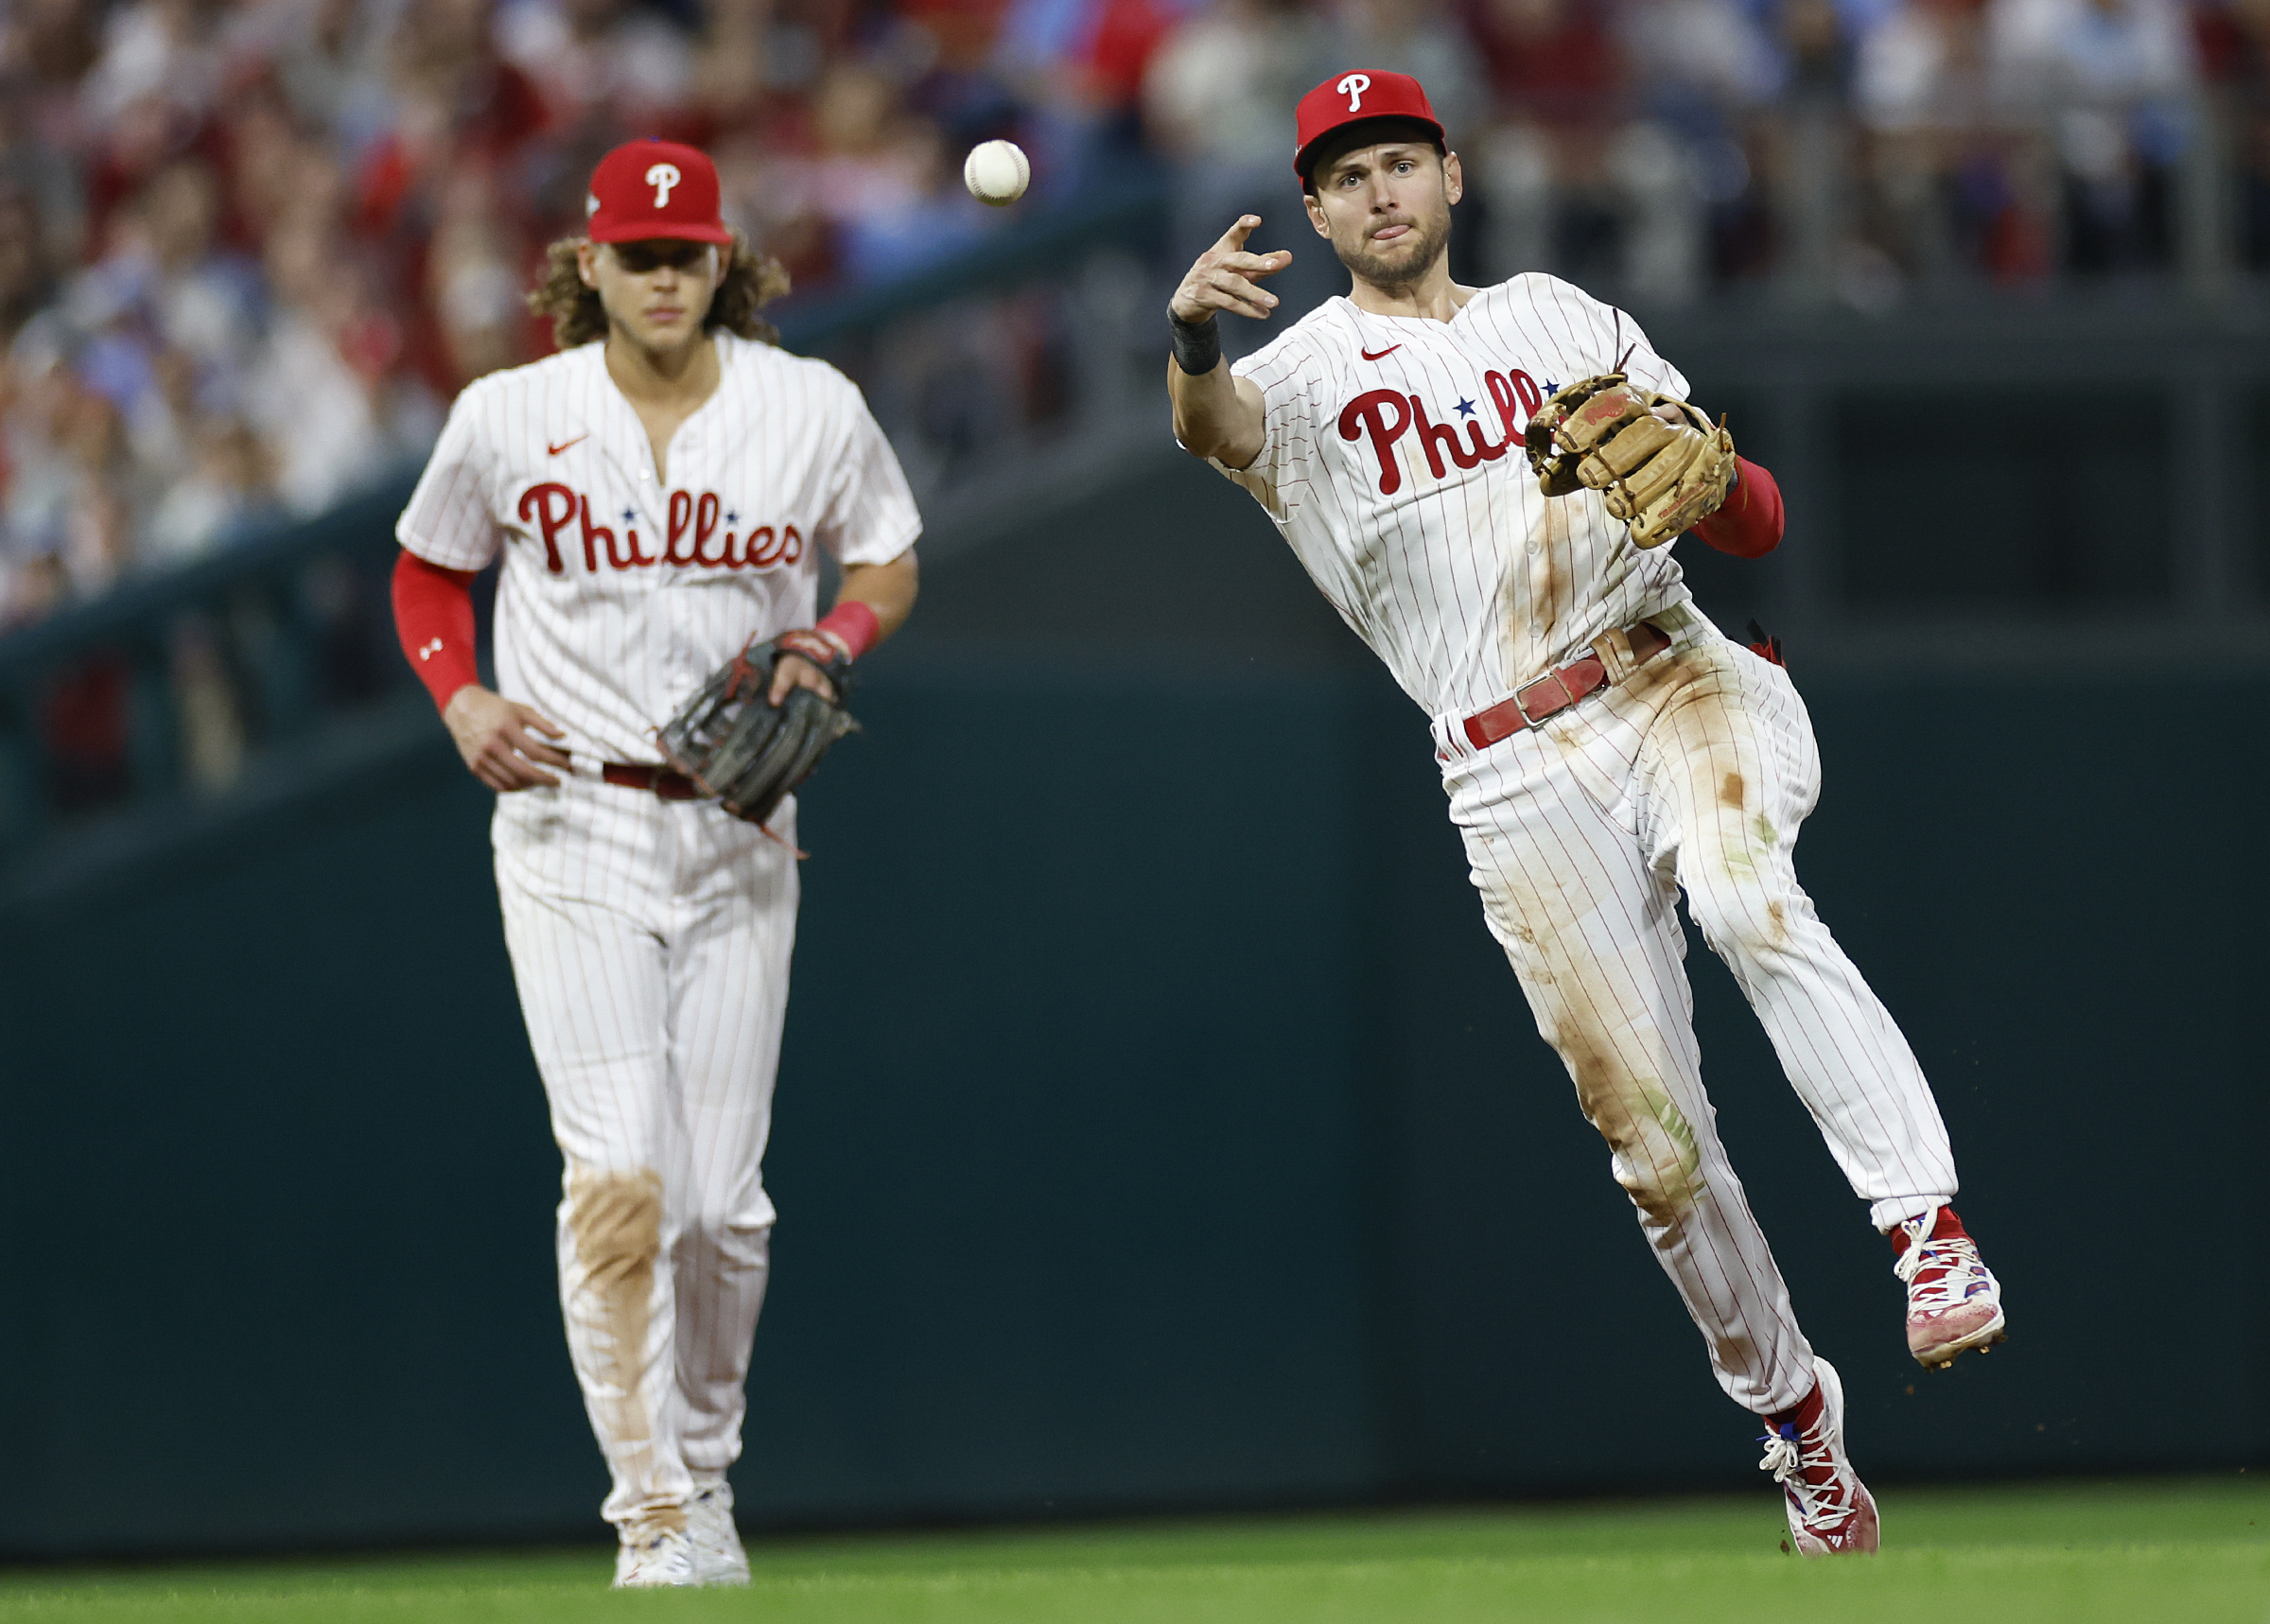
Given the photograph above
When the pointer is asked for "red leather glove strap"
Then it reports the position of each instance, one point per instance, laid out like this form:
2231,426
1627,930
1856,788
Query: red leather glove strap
1749,525
433,617
810,645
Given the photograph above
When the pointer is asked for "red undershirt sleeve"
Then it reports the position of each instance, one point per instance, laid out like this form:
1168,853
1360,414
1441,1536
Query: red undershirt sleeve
1749,526
433,617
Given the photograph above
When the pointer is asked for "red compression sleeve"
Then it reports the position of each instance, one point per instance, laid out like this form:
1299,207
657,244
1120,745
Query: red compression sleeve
853,622
1749,526
433,617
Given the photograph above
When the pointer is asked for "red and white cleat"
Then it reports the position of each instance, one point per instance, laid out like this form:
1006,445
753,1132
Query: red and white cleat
1831,1512
1954,1303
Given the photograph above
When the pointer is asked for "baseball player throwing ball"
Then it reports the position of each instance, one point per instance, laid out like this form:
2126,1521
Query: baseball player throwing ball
658,492
1484,481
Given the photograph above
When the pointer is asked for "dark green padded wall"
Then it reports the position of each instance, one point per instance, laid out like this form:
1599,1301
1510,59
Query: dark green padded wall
1159,1126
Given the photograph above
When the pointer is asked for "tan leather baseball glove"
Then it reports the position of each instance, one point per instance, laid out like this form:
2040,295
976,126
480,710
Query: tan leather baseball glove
1659,478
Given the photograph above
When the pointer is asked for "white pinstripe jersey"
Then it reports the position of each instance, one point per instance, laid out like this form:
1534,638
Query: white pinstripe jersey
1392,461
619,597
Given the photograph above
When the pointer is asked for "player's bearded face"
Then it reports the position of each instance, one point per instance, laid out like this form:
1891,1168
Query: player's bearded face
657,291
1387,210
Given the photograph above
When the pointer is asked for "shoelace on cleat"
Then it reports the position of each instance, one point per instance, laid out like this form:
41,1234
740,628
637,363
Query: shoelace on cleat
1940,1274
1909,1261
1821,1506
1783,1457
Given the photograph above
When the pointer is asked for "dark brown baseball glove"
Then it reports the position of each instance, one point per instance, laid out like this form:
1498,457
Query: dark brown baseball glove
749,753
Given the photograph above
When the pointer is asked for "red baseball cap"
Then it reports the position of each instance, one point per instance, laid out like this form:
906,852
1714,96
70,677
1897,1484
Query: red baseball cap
1357,98
654,188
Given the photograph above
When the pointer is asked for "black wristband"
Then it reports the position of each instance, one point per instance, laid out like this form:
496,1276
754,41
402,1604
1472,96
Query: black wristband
1198,345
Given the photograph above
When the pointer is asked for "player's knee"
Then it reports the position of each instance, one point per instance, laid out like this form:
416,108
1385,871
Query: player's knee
1740,923
1657,1153
616,1219
742,1235
1660,1181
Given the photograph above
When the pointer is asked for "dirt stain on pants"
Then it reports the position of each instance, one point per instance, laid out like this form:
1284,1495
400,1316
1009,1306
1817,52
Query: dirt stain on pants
615,1221
1655,1155
1690,776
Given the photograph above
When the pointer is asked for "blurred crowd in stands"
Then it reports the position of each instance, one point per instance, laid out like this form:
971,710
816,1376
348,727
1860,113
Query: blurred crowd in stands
249,248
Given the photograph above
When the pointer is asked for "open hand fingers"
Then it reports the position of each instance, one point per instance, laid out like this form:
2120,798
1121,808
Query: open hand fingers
516,756
1227,290
493,739
498,776
536,749
1235,237
504,769
1255,264
525,718
1223,278
792,671
514,775
509,758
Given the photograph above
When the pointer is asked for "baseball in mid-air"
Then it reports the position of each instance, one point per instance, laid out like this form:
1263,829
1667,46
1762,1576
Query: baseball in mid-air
997,172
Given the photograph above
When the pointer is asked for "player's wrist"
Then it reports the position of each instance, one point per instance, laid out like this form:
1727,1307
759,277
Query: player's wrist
1198,345
823,653
461,699
851,626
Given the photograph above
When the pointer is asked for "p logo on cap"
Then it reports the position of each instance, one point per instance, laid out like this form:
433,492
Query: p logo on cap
654,188
1353,99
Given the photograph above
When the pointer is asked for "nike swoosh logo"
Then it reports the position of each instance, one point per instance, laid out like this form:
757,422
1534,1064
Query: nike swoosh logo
1382,356
563,446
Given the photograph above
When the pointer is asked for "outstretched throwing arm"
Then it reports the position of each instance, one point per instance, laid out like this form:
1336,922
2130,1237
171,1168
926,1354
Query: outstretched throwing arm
1217,415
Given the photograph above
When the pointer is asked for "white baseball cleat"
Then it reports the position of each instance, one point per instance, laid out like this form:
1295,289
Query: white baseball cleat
1954,1303
718,1558
652,1557
1831,1512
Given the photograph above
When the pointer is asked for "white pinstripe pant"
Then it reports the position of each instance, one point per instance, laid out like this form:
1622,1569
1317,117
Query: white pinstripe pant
651,942
1694,772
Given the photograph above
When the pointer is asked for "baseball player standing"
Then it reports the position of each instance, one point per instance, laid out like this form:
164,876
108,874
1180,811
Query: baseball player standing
658,492
1454,467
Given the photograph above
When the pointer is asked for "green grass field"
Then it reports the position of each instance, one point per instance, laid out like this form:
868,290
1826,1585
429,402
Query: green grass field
2190,1550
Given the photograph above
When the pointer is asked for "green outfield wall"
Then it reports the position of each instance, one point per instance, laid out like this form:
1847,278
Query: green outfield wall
1159,1126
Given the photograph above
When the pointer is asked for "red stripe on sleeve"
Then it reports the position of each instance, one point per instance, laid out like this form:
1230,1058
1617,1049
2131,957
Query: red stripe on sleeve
433,617
1749,526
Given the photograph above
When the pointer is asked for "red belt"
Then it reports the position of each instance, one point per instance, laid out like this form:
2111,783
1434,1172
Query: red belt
659,780
1555,691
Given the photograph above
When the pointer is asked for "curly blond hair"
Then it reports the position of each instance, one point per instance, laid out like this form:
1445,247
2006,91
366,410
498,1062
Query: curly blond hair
752,280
